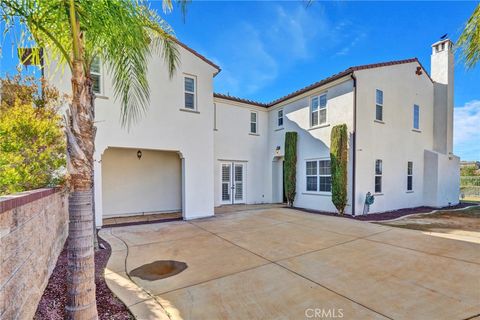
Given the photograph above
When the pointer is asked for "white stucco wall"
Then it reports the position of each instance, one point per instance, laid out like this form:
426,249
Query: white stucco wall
146,185
235,143
313,143
163,127
394,141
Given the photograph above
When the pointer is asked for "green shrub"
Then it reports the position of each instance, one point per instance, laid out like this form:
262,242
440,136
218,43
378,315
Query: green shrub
290,166
32,142
338,162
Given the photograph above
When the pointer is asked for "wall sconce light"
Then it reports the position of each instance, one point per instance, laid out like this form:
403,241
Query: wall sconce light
139,154
277,150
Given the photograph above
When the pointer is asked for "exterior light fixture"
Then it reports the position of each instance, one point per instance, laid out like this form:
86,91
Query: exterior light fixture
277,150
139,154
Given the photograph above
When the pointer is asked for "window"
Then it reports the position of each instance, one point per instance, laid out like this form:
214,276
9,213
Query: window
379,105
318,110
378,176
189,93
318,176
312,182
280,118
253,122
416,117
410,176
96,76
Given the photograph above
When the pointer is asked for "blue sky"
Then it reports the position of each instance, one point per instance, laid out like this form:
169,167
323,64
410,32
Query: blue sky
268,49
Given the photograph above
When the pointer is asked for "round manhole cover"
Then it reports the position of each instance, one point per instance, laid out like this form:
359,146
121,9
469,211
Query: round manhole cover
159,269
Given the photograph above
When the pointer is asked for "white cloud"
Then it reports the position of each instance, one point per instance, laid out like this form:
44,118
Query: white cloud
256,53
467,130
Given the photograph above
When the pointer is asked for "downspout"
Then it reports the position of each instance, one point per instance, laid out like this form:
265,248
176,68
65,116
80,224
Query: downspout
354,140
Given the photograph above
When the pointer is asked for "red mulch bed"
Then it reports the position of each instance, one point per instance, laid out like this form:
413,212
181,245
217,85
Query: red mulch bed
390,214
52,304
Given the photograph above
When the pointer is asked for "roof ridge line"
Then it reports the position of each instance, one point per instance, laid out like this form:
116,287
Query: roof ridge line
324,81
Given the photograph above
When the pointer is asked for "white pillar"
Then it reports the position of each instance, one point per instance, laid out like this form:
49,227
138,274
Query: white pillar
97,185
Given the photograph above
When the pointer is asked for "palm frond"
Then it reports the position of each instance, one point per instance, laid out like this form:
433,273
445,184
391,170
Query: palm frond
469,41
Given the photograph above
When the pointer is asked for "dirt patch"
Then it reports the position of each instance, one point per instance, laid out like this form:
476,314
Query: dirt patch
442,221
388,215
159,269
54,299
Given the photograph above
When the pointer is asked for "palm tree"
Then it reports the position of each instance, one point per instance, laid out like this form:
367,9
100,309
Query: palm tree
469,41
123,34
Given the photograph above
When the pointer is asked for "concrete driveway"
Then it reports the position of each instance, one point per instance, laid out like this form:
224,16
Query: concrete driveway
287,264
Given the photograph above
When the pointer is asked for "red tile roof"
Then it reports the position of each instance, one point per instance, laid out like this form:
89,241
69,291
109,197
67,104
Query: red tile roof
229,97
323,82
183,45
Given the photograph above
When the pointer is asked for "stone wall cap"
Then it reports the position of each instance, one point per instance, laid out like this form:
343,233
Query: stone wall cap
16,200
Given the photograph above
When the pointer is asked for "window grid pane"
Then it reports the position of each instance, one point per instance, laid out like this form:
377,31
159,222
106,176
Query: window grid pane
253,127
416,117
189,85
95,67
325,183
312,183
323,116
379,112
314,118
311,168
378,184
323,101
189,100
378,166
314,104
95,83
324,167
379,97
253,117
409,183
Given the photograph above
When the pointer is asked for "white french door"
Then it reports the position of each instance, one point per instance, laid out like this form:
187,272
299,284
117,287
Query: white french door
233,184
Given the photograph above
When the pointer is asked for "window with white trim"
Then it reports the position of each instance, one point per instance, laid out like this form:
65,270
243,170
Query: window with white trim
190,93
318,176
416,117
409,176
378,176
379,105
280,118
96,76
318,110
253,122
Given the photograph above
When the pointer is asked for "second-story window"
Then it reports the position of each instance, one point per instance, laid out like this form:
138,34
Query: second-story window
379,105
96,76
253,122
410,176
318,110
416,117
378,176
280,118
190,93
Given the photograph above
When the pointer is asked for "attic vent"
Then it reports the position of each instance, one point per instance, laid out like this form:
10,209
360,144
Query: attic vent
419,71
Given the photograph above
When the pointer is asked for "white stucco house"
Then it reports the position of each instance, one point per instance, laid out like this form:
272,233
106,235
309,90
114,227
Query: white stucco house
195,149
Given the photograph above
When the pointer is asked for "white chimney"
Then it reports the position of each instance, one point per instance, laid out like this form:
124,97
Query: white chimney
442,68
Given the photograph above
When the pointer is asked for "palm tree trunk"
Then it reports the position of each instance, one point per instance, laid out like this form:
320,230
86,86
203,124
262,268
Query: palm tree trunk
81,303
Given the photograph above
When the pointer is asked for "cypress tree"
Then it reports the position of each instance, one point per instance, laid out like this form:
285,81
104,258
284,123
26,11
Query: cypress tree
290,168
338,163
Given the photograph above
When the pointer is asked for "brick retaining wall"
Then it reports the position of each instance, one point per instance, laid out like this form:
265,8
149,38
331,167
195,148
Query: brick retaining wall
33,230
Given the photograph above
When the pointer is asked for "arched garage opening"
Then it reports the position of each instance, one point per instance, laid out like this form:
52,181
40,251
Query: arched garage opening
140,182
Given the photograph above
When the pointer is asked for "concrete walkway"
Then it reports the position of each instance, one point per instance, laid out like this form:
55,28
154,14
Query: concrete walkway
287,264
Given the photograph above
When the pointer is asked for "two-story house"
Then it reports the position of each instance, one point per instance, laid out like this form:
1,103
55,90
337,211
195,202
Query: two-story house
195,149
